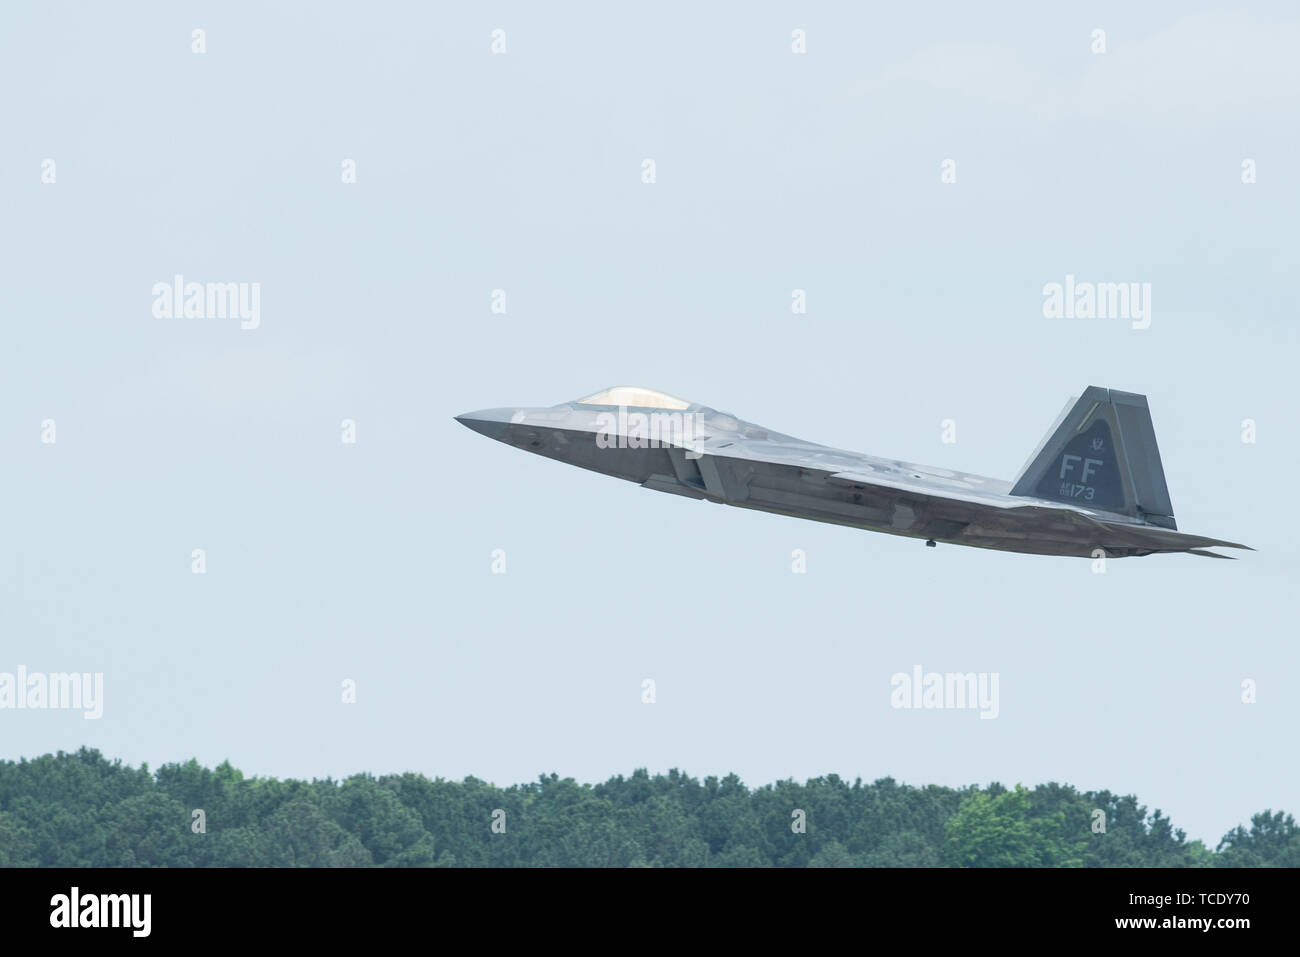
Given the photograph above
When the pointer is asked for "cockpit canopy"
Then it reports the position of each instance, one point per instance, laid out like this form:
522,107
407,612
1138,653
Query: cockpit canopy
630,395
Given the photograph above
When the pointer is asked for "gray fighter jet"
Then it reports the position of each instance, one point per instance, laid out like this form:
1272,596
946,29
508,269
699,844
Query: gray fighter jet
1093,487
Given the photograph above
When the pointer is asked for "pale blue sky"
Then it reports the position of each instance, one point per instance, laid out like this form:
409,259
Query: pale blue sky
522,171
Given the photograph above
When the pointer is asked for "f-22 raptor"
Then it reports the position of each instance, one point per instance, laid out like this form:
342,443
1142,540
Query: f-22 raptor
1094,487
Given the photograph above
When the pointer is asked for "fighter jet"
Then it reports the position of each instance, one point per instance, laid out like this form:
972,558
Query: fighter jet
1093,488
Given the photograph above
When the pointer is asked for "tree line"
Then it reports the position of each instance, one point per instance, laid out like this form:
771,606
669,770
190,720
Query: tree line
81,809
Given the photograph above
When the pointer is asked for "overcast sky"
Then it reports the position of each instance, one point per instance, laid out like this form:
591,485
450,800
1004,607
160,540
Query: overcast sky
522,171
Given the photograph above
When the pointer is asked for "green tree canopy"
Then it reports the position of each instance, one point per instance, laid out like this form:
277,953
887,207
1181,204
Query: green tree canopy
82,809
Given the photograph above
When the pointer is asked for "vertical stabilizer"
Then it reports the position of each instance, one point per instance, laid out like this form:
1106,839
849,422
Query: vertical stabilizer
1102,454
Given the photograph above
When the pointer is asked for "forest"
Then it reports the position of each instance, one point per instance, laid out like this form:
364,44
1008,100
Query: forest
82,809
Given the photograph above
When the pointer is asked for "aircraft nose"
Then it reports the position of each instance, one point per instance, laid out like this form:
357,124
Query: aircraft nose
493,423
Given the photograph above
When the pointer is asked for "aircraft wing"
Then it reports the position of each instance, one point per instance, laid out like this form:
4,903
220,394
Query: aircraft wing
938,489
934,486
